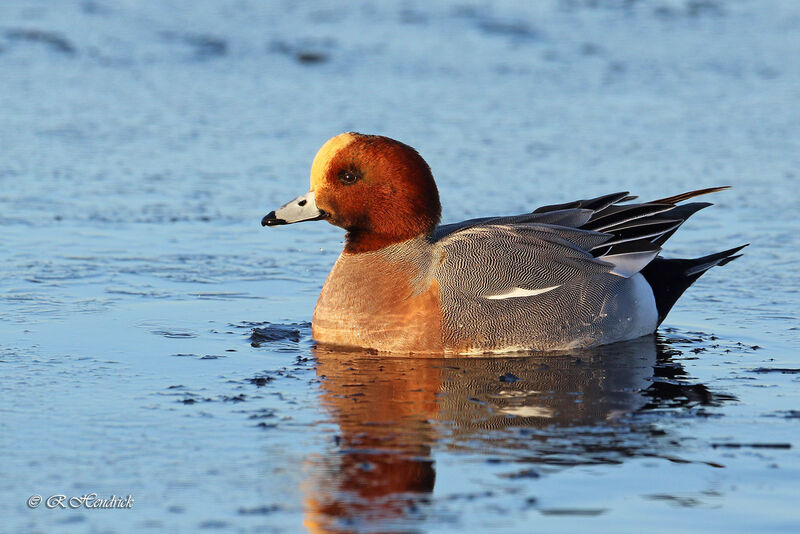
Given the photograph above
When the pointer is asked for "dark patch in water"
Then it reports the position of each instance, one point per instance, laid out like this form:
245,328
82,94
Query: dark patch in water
54,41
692,9
264,413
582,512
93,8
261,381
273,333
311,57
590,49
305,53
683,502
504,27
679,394
204,46
513,28
260,510
752,445
509,377
262,424
525,473
782,370
787,414
469,496
207,46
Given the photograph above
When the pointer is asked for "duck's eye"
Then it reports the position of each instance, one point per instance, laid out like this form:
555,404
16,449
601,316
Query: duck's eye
349,177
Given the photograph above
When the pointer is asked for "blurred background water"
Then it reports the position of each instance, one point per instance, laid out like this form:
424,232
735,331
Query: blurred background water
154,339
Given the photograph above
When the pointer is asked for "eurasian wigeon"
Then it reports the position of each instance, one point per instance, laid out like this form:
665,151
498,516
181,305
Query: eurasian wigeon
565,276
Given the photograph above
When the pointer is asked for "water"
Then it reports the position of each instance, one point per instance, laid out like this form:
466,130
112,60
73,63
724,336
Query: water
154,340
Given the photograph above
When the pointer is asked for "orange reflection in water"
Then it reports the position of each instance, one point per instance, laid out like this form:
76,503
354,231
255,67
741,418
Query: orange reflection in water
392,412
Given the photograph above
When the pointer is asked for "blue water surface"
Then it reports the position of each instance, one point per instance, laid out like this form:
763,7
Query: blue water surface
155,340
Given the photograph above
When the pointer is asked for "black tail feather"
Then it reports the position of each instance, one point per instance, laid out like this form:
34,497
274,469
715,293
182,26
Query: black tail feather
701,265
682,212
594,204
669,278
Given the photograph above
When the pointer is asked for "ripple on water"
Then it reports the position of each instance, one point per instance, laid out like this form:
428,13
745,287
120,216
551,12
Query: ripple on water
175,334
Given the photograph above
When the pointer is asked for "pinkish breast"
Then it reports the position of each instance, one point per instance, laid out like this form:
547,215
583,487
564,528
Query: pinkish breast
370,301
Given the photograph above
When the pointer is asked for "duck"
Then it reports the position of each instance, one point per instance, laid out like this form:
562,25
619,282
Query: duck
565,276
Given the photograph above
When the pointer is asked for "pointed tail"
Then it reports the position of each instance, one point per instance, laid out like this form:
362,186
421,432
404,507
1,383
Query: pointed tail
669,278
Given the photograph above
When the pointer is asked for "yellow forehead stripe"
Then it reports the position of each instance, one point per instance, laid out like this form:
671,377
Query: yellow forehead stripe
319,167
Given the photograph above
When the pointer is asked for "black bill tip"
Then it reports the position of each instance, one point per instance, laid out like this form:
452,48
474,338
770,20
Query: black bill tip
270,219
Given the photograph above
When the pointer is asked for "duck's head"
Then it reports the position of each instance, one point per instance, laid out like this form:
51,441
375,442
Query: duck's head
378,189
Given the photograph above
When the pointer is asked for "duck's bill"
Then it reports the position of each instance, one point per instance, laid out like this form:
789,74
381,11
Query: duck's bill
301,209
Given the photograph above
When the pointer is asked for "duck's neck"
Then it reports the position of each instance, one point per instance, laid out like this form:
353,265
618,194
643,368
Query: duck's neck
357,242
375,235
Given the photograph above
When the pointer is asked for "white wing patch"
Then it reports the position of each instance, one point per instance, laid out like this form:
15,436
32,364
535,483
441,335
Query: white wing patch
519,292
630,263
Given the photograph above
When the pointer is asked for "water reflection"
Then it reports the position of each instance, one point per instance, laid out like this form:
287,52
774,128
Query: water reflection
538,413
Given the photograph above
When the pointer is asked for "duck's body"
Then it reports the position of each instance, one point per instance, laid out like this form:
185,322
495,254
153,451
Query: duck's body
569,276
408,297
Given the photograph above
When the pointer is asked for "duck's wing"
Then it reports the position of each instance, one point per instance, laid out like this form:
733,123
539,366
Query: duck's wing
499,261
572,214
635,227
